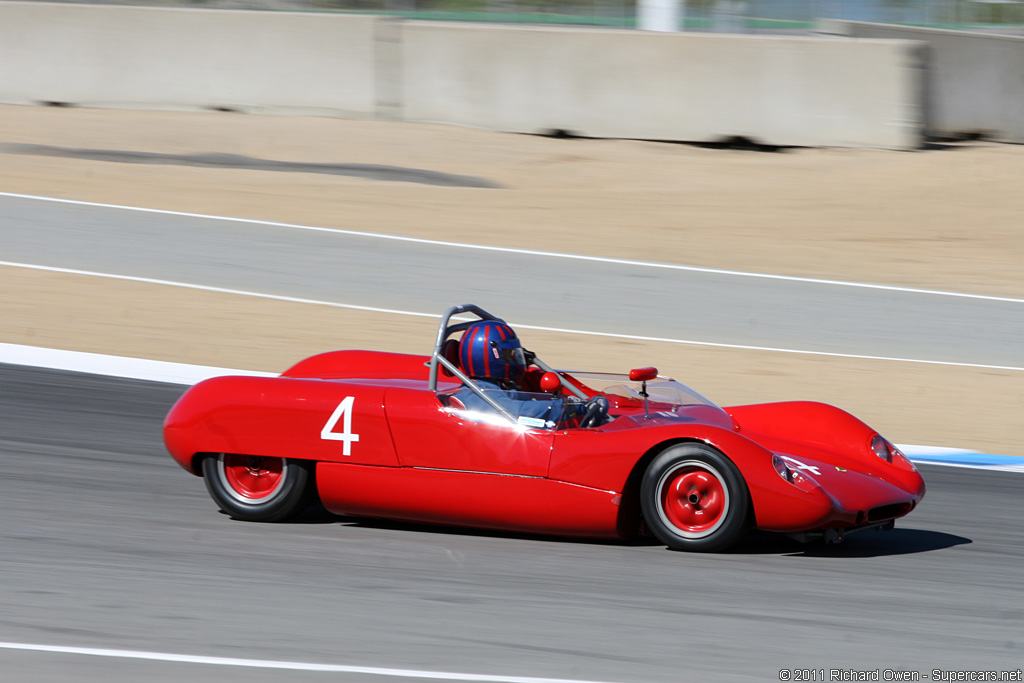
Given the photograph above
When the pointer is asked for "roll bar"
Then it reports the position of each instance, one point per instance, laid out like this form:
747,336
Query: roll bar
445,330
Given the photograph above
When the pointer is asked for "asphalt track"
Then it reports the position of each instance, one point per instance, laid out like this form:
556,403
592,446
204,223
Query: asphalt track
108,544
648,301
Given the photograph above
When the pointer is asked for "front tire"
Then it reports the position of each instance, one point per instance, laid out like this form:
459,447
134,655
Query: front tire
694,498
258,489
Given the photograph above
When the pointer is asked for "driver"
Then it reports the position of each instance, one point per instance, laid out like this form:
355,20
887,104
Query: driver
491,354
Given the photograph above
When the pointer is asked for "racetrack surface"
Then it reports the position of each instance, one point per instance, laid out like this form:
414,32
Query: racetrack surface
647,300
108,544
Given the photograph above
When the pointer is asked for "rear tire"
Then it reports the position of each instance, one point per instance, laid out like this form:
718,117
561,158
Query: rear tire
694,498
258,489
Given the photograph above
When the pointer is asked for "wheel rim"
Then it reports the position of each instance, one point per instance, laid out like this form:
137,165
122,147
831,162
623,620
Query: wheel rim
693,499
251,479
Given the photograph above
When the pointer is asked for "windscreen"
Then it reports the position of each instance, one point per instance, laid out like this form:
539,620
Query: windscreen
660,390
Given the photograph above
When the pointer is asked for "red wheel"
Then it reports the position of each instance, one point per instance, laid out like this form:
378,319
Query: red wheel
258,489
694,498
251,477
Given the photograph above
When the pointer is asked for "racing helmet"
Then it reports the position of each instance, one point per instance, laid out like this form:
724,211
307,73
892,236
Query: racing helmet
491,350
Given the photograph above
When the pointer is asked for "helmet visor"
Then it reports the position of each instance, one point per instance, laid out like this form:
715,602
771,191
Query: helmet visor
511,352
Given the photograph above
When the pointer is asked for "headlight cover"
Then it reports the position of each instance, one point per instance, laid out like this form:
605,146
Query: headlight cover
889,453
881,448
792,475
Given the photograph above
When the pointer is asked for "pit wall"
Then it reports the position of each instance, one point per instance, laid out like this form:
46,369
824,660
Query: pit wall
143,57
975,81
603,83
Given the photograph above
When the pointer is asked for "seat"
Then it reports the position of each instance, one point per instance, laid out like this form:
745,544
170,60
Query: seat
450,352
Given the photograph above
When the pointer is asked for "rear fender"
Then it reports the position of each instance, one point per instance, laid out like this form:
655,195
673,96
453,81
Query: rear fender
280,417
360,364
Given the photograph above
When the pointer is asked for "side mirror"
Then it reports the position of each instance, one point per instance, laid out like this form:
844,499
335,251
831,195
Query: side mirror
550,381
643,374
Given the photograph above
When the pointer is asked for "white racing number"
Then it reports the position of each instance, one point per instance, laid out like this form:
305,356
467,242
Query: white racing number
801,466
344,410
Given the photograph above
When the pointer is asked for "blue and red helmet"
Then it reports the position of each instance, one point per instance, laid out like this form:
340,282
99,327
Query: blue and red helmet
491,350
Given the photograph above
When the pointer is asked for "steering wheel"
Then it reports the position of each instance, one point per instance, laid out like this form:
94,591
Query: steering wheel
596,412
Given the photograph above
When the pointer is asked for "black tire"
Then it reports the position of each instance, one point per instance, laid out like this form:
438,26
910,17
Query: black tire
694,498
257,489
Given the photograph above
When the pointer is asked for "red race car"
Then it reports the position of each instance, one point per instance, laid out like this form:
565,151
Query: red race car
482,433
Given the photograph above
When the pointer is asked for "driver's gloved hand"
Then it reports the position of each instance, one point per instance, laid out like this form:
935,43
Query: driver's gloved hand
595,411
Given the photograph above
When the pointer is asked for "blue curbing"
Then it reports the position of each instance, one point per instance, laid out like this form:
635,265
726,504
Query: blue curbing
957,457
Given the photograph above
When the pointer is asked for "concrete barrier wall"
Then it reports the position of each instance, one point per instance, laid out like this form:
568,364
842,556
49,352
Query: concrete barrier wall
602,83
975,81
628,84
137,56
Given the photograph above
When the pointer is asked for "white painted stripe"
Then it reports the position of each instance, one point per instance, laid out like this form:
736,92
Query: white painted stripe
530,252
219,290
960,456
746,347
970,466
288,666
115,366
612,335
933,450
1006,468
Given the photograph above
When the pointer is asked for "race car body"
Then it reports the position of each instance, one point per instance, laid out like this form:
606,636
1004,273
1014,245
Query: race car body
590,454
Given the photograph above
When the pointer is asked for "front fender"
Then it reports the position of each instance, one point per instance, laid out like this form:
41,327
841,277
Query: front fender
606,460
821,432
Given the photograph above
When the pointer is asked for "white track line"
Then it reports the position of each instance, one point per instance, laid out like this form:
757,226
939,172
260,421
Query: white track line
372,309
967,466
219,290
116,366
289,666
530,252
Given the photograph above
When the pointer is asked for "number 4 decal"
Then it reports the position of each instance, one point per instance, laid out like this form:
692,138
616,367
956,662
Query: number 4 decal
801,466
344,409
